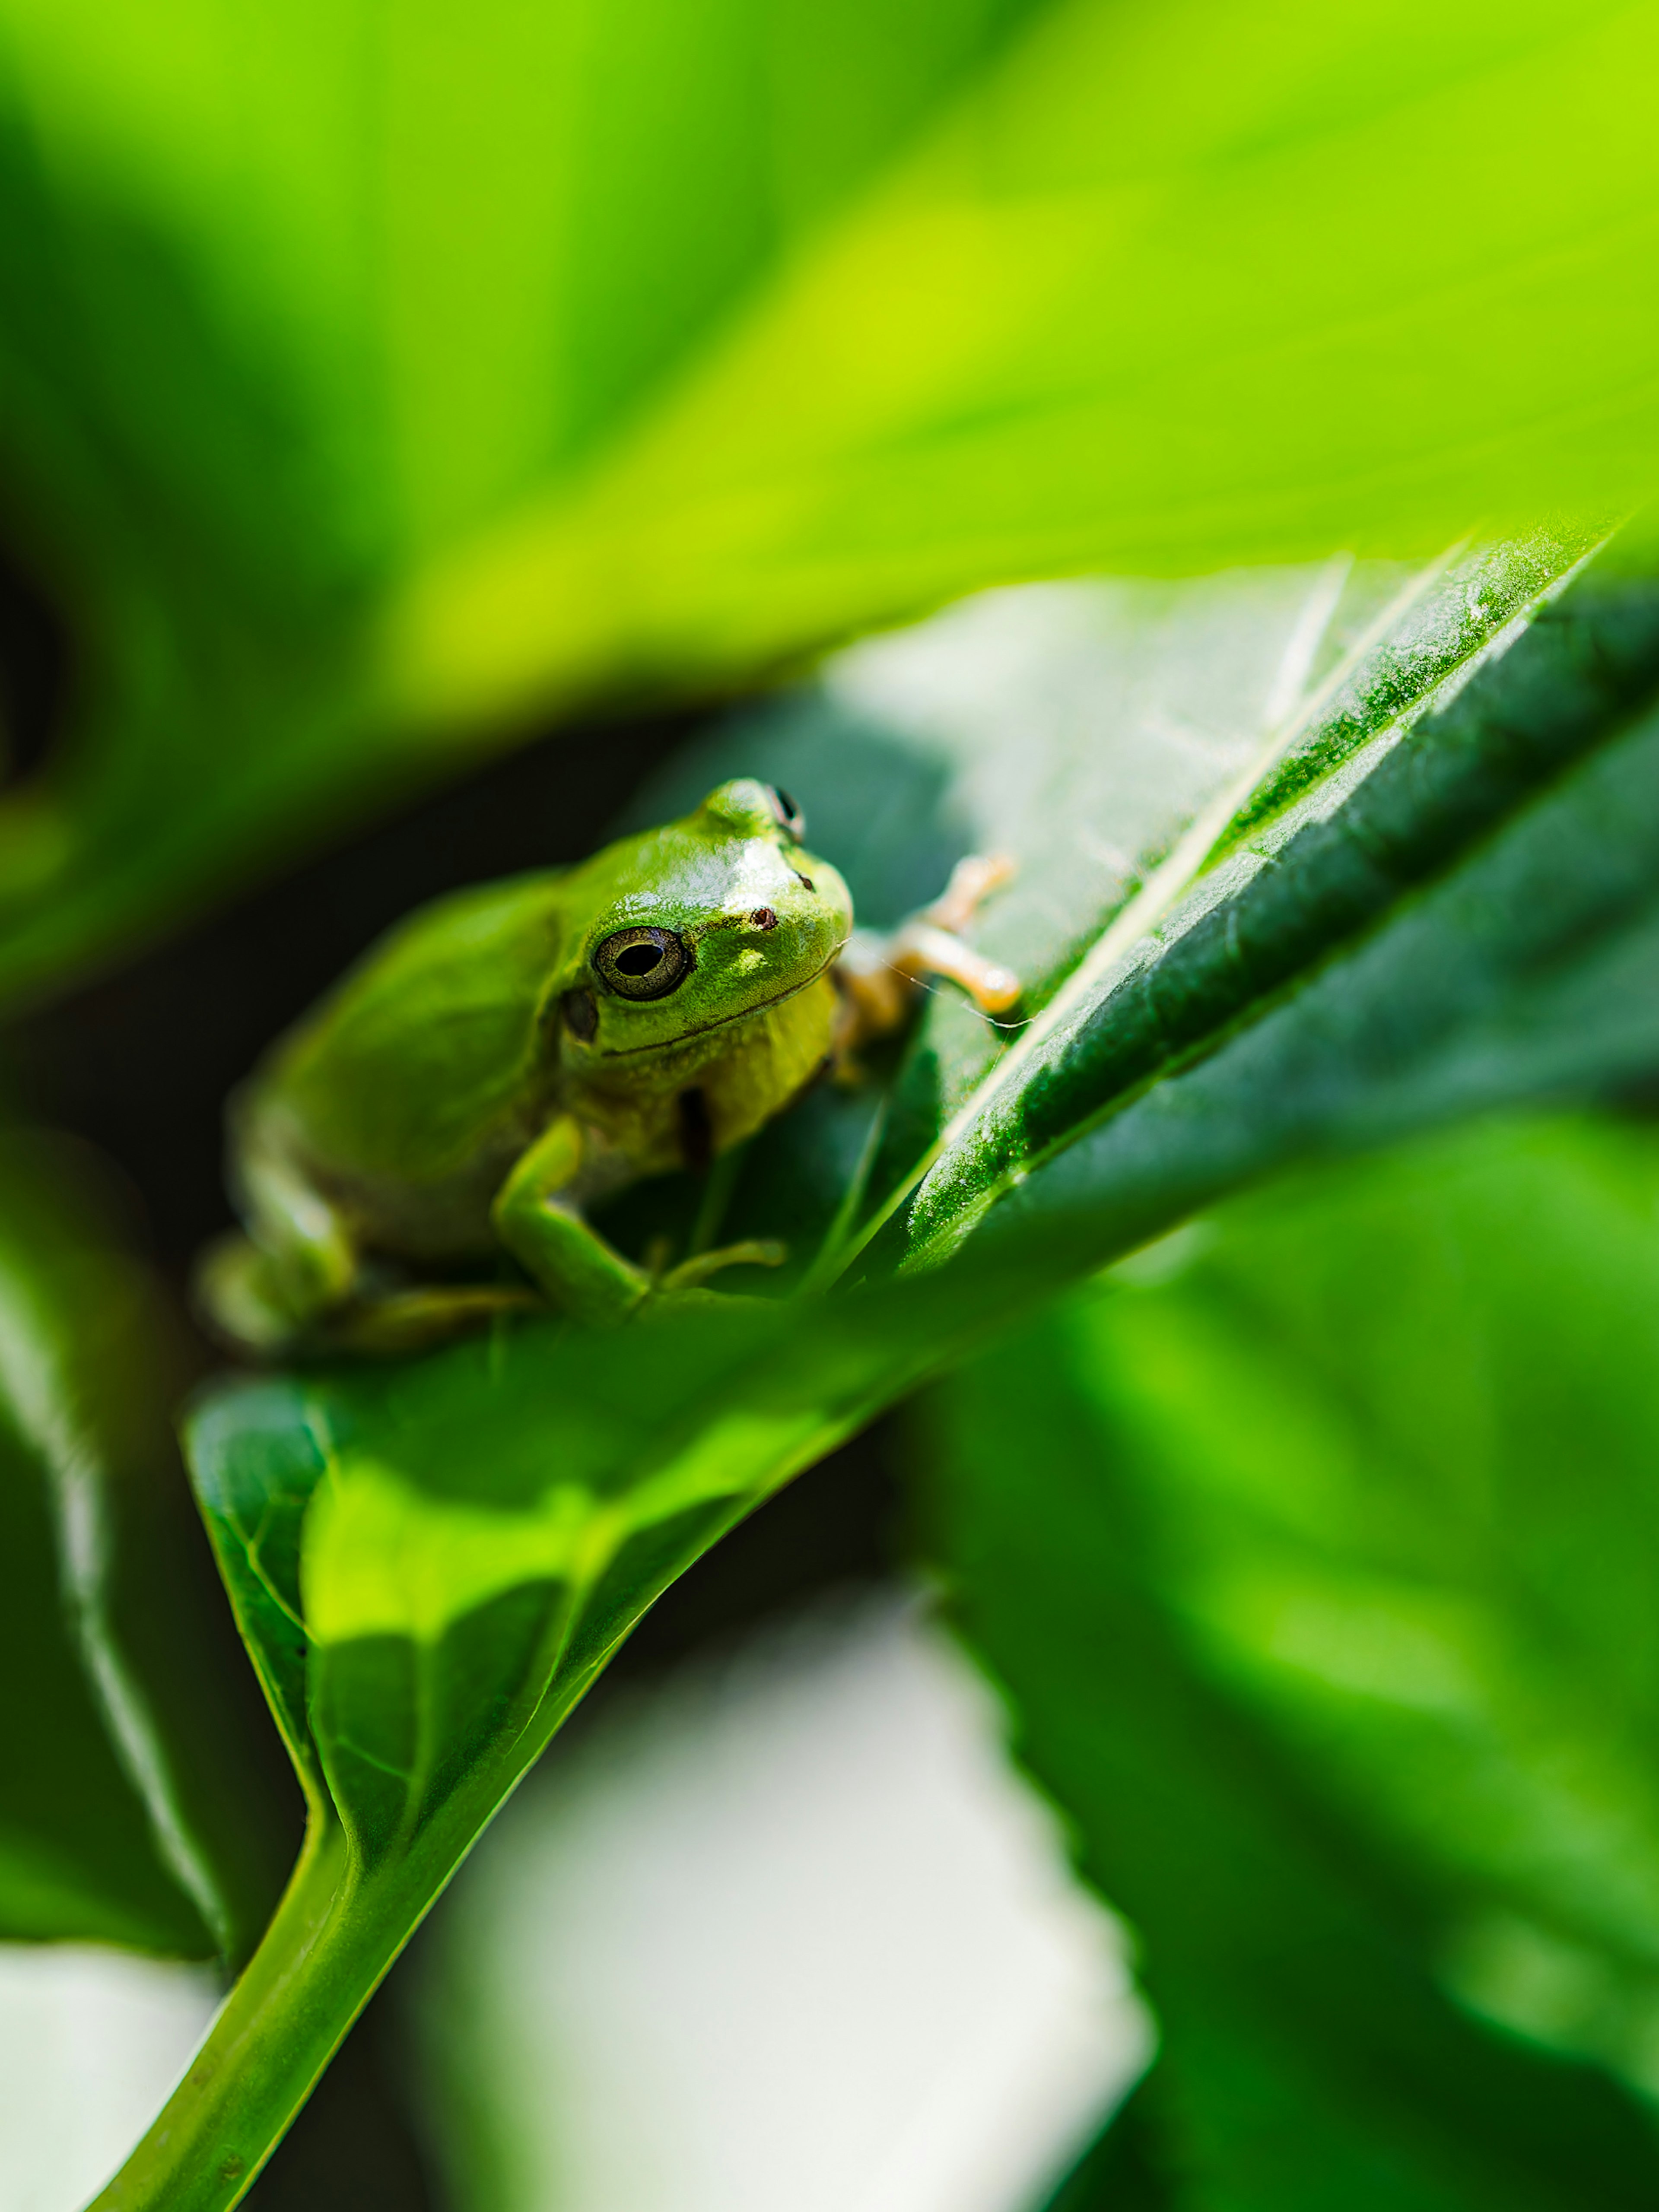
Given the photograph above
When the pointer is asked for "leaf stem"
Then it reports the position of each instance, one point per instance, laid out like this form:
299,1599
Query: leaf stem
330,1944
318,1964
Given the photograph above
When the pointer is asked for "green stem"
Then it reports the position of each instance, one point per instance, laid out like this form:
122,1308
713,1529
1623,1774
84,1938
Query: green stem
319,1961
328,1946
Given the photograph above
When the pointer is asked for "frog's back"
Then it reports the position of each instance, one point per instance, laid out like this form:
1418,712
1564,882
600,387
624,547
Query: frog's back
428,1059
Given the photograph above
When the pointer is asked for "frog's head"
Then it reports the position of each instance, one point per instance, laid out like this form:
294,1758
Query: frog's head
715,917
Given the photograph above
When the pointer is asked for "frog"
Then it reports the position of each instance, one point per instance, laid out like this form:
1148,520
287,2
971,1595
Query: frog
511,1055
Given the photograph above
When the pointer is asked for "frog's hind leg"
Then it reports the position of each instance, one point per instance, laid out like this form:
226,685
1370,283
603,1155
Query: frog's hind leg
269,1288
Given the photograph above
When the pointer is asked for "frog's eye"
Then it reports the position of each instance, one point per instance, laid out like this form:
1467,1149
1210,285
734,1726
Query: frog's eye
790,818
642,963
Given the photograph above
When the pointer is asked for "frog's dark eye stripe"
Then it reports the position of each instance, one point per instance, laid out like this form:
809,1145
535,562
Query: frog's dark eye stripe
581,1014
790,817
642,963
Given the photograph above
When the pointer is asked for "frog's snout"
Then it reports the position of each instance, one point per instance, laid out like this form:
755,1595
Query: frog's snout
762,918
789,942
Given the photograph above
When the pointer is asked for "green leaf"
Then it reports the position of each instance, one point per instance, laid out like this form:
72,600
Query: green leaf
1113,310
1316,1559
288,311
1458,914
430,1561
372,388
128,1806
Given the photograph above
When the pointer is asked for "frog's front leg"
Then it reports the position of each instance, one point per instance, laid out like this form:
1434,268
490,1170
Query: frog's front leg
878,975
570,1263
535,1217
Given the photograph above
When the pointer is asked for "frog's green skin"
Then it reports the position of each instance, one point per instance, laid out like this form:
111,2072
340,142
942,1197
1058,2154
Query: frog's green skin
480,1078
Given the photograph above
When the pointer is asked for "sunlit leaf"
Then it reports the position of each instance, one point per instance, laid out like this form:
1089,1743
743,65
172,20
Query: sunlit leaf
431,1563
1144,299
373,383
292,301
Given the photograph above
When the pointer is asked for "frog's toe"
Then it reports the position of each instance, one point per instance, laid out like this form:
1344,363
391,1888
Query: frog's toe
757,1252
421,1319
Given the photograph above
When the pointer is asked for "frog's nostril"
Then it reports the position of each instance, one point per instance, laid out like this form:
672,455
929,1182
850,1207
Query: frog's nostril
763,918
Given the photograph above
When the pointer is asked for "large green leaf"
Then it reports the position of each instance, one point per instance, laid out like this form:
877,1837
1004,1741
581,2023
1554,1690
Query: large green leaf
430,1561
1316,1555
1143,299
369,380
129,1808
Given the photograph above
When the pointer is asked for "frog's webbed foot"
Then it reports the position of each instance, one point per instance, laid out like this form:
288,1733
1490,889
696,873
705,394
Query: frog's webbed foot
240,1298
879,974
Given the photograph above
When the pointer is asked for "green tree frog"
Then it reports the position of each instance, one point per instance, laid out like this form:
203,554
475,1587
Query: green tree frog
509,1055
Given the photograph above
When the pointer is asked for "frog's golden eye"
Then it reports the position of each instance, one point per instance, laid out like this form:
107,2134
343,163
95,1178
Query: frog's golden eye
790,818
642,963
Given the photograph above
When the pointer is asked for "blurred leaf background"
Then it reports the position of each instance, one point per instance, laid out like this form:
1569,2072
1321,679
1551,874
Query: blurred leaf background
1341,1505
374,385
380,393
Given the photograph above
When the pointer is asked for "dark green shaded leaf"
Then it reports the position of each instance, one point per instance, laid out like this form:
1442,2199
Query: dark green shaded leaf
1310,1623
1396,1428
1464,917
131,1810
